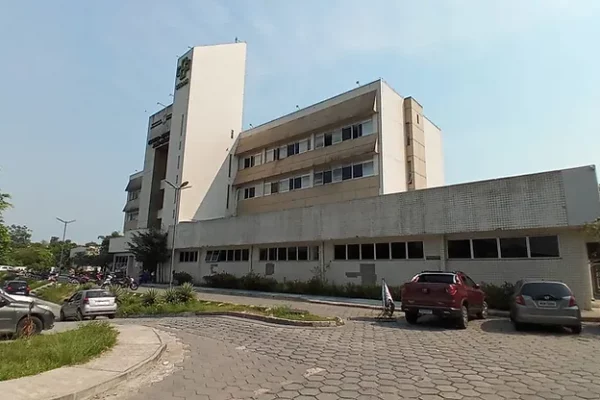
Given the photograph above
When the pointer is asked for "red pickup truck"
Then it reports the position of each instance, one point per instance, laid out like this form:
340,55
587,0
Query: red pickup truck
445,294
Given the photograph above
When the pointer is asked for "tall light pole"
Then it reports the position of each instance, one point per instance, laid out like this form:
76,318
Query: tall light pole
62,251
177,189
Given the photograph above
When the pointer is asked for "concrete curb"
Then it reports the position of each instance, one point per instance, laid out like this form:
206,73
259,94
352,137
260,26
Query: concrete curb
109,383
263,318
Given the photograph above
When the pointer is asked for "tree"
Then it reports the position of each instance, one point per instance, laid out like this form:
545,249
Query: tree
149,248
20,235
593,231
104,258
5,242
36,257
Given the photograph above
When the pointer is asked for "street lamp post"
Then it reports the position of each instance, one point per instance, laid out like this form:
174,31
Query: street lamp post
62,251
177,189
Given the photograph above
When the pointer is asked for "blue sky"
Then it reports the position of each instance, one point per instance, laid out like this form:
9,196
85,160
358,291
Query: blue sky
513,84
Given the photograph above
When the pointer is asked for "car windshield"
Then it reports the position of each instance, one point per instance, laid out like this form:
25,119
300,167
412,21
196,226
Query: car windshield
436,278
98,293
17,283
541,289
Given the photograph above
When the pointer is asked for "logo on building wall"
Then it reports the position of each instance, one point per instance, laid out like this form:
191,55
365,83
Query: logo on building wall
185,65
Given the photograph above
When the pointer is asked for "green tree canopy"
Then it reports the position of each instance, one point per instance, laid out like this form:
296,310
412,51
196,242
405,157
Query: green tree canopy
5,242
20,235
150,248
36,257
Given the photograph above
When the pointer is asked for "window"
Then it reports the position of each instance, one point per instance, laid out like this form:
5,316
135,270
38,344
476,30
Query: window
357,131
367,127
468,281
337,175
417,118
339,252
415,250
408,138
382,251
188,256
282,253
367,169
327,177
230,256
245,254
346,172
292,253
227,198
328,139
133,195
302,253
251,161
293,148
132,216
367,251
357,171
543,246
398,250
347,133
459,249
178,161
273,254
212,256
513,248
485,248
272,155
353,252
249,192
318,178
314,253
222,255
227,255
336,137
319,141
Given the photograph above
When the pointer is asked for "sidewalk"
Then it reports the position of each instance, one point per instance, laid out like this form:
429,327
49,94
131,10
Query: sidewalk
592,315
136,347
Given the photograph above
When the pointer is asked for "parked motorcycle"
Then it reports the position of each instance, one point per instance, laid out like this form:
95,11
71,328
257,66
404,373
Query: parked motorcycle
125,282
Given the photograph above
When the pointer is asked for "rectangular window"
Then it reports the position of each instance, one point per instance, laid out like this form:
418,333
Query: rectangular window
314,253
247,162
291,149
513,247
245,254
302,253
207,258
353,251
415,250
298,183
328,139
306,181
273,254
368,169
357,171
267,189
382,251
274,187
398,250
367,251
284,185
237,253
357,131
263,254
249,192
318,179
230,255
417,118
178,161
543,246
336,137
346,172
222,255
337,175
347,133
292,254
485,248
339,252
269,155
230,161
227,199
319,141
282,253
282,152
327,177
459,249
303,146
367,127
257,159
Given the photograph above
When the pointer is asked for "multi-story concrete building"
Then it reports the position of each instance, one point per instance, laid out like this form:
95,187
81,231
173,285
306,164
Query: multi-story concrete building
352,187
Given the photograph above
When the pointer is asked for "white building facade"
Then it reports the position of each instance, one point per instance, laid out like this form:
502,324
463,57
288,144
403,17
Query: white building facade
352,187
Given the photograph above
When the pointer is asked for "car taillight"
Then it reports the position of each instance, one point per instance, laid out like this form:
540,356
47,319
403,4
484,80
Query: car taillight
572,302
9,288
451,290
28,288
86,301
520,300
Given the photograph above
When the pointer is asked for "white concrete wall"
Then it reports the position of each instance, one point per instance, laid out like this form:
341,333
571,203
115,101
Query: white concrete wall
434,154
392,147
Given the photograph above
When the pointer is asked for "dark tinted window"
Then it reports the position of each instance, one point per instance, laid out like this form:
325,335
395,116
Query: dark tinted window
543,246
292,255
382,251
282,254
18,284
302,253
273,253
540,289
459,249
222,255
347,133
346,173
327,177
415,249
485,248
357,171
237,255
98,293
367,251
262,254
245,254
353,252
339,252
513,248
436,278
230,255
398,250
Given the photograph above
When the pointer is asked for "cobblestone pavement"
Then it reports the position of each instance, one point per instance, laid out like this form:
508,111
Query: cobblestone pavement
230,358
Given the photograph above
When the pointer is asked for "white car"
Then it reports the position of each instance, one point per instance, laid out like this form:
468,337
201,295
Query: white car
89,303
27,299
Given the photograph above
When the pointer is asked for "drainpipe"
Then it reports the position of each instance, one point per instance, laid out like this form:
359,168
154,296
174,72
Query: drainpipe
443,253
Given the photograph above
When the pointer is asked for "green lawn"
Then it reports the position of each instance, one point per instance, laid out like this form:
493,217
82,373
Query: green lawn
36,284
40,353
57,293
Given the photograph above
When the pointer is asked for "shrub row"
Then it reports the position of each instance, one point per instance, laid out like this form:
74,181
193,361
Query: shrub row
497,297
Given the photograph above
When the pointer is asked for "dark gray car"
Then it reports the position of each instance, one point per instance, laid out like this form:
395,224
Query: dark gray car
13,316
545,303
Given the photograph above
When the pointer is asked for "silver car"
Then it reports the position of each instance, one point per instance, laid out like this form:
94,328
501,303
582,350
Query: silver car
544,303
89,304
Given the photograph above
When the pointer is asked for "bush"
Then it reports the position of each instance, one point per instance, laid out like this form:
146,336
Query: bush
150,297
185,292
182,277
222,280
498,297
257,282
170,296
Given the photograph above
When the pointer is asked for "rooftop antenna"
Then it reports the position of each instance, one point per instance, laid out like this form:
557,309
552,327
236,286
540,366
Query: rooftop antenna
161,104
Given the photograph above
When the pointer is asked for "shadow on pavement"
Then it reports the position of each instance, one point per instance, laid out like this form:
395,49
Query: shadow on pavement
427,323
504,326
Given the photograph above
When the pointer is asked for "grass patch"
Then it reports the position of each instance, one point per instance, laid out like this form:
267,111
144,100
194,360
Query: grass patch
36,284
41,353
57,293
134,304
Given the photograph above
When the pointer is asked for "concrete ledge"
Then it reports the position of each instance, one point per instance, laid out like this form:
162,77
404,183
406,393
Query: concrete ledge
136,347
238,314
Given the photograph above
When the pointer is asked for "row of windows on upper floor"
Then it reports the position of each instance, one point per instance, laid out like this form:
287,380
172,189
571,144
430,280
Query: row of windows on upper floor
350,132
318,178
133,195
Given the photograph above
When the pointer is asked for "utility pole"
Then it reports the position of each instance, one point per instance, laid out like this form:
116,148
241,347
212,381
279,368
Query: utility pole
177,189
62,250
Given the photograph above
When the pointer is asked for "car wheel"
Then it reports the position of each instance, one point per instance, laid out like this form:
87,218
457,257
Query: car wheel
484,311
29,326
411,317
111,316
463,321
576,329
62,316
80,316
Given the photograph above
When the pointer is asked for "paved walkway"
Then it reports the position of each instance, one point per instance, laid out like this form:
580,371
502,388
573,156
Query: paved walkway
136,345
